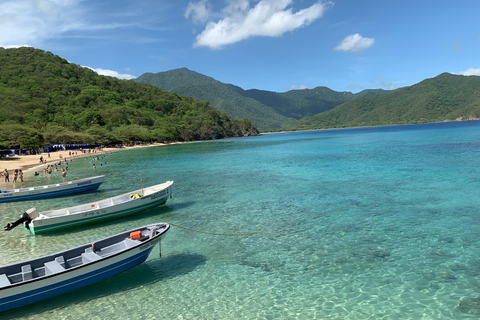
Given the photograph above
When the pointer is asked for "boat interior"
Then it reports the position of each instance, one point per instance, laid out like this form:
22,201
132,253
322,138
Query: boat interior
137,194
76,257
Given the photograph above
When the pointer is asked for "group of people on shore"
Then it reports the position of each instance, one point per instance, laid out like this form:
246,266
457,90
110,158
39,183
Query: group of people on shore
52,167
17,174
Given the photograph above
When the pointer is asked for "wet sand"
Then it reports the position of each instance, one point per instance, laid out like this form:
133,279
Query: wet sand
27,162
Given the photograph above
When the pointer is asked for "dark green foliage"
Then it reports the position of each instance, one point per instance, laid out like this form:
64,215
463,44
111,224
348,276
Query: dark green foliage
19,136
268,110
50,100
446,97
224,97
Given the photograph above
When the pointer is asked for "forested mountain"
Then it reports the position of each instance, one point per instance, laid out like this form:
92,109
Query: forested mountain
446,97
225,97
268,110
46,100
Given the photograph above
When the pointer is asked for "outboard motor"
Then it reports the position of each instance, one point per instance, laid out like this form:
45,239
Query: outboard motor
23,218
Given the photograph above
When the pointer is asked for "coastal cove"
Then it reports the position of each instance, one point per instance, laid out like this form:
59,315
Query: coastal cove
363,223
31,163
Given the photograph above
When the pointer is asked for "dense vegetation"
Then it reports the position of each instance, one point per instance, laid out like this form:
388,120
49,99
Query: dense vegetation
446,97
268,110
44,99
224,97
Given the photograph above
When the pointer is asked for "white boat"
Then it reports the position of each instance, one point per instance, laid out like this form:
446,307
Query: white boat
110,208
41,278
52,190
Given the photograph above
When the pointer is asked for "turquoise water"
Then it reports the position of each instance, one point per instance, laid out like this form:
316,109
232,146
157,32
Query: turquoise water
375,223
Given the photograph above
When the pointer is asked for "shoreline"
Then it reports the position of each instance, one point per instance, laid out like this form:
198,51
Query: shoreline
28,162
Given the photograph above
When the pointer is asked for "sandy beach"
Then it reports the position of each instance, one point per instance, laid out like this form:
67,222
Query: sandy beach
27,162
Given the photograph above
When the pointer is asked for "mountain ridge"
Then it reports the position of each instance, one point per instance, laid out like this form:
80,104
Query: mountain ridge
44,99
267,109
446,97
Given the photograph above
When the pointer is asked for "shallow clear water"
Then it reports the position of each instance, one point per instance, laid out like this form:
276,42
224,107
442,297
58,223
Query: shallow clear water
374,223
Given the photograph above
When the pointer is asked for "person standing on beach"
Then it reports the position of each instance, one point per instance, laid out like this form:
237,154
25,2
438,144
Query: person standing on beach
20,175
15,175
5,174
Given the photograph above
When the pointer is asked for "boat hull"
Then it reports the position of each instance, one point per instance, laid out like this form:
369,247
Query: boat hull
56,190
56,284
38,226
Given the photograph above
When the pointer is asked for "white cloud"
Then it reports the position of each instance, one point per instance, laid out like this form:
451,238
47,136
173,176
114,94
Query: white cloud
355,43
112,73
379,81
199,11
388,85
300,87
242,19
32,21
471,72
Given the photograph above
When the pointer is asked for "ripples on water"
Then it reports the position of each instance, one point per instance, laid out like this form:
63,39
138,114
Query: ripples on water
374,223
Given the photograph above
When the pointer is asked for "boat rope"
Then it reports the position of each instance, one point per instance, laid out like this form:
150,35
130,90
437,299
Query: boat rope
219,234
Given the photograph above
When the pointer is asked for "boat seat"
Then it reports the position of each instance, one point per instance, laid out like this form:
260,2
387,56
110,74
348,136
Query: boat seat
26,272
52,267
90,257
60,260
4,280
74,262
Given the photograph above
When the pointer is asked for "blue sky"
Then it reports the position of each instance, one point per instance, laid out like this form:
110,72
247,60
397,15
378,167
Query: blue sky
275,45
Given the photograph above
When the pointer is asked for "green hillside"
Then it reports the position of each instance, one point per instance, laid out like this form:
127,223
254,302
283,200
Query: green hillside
46,100
446,97
268,110
224,97
301,103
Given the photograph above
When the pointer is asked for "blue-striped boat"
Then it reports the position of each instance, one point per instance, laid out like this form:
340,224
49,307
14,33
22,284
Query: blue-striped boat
38,279
110,208
52,190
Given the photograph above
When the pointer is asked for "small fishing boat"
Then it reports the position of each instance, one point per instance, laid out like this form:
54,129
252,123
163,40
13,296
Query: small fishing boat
115,207
52,190
41,278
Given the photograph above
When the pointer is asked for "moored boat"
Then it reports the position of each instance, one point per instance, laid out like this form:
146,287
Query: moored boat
110,208
52,190
38,279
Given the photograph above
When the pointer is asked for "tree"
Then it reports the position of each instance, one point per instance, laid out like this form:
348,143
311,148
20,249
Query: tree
100,135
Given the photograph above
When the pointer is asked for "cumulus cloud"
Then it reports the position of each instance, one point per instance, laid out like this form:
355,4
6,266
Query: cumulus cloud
243,19
355,43
471,72
111,73
199,12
